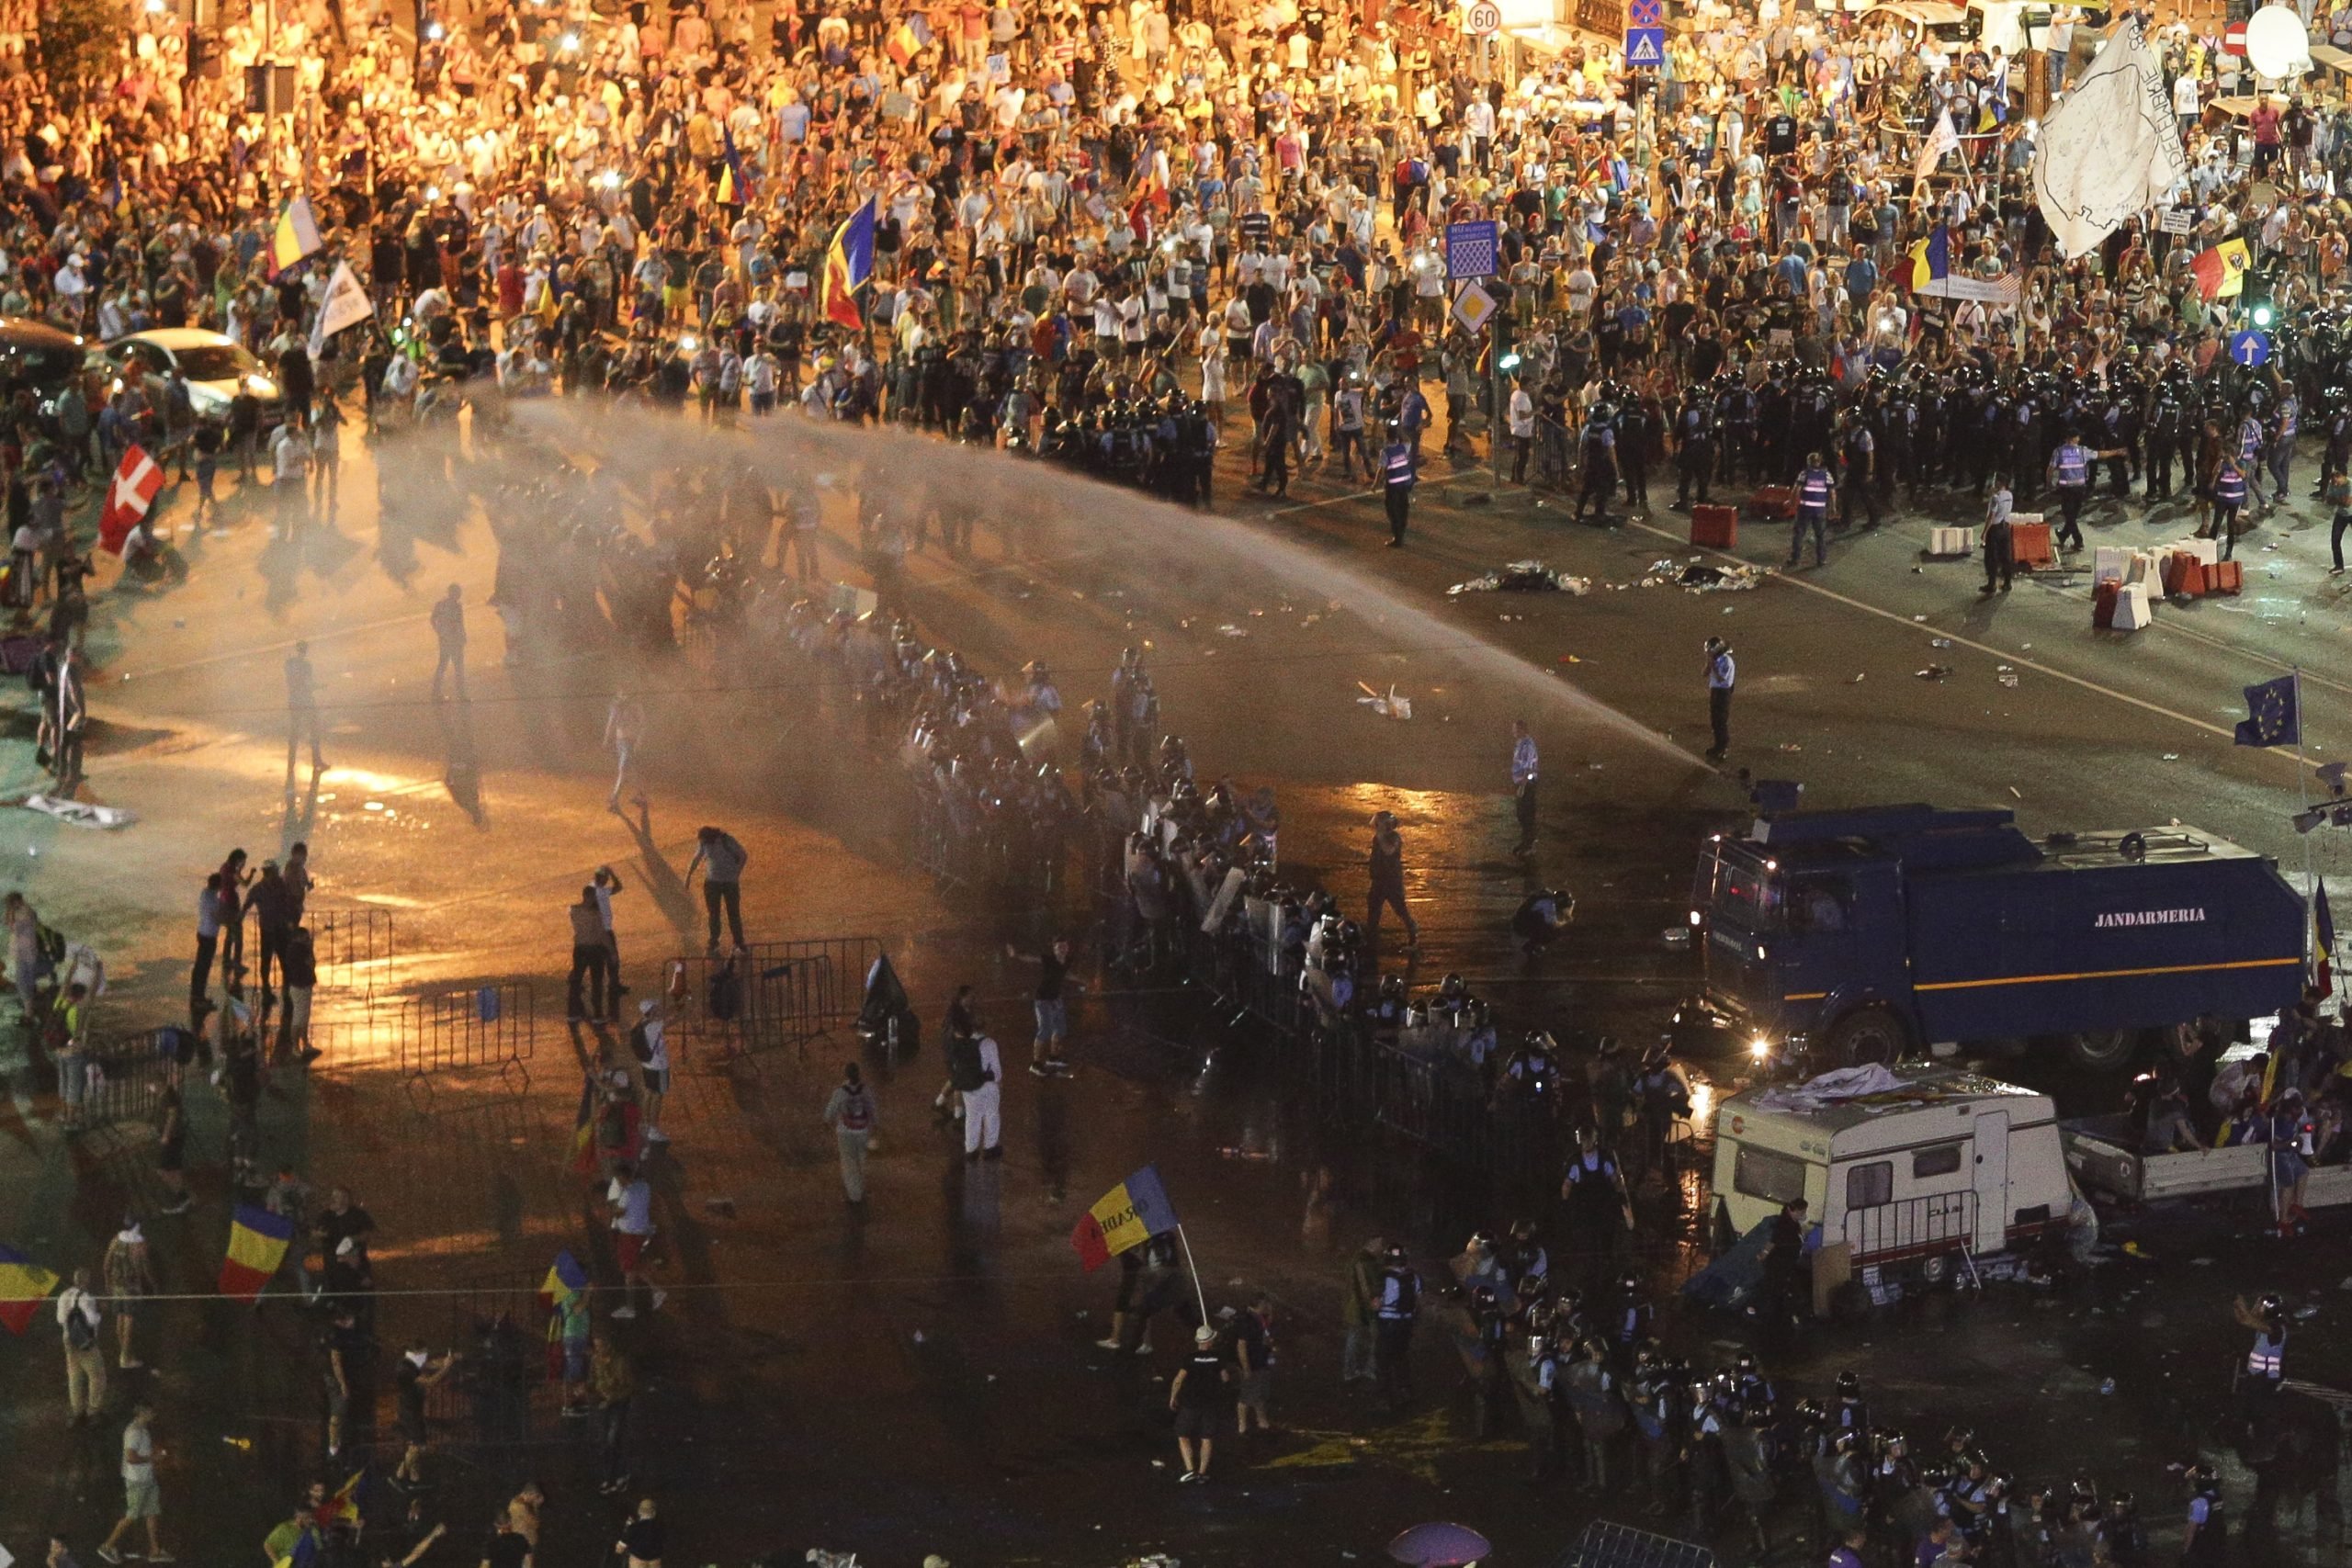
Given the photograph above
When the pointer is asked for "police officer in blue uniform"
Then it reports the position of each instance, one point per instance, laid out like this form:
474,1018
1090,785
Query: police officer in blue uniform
1694,447
1723,674
1816,488
2070,474
1399,472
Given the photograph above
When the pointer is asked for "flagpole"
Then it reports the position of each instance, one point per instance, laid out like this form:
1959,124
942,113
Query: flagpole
2304,791
1195,1270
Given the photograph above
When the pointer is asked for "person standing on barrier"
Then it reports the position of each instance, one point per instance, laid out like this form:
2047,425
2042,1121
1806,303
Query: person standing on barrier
589,955
722,861
850,1113
649,1041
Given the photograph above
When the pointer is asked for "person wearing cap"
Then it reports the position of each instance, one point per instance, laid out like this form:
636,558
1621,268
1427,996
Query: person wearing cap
1197,1396
649,1042
1723,675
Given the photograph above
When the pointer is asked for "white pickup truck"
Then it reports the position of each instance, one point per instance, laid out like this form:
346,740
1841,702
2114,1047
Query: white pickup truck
2103,1153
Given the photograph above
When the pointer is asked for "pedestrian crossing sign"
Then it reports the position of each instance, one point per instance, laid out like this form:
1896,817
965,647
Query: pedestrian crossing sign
1645,46
1473,307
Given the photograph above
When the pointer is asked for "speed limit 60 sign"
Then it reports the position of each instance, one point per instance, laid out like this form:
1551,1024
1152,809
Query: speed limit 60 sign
1483,19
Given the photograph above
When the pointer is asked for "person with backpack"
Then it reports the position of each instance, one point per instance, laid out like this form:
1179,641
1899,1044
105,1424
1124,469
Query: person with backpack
850,1113
79,1318
976,1071
649,1042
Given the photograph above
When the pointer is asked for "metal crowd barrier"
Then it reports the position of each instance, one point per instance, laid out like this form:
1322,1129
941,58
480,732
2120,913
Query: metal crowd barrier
787,993
487,1026
1912,1227
125,1080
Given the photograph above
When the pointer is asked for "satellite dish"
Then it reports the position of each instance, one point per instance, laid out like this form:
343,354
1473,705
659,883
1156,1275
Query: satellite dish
2276,43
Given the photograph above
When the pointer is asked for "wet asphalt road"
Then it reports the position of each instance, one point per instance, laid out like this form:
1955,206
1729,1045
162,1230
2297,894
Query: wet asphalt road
792,1401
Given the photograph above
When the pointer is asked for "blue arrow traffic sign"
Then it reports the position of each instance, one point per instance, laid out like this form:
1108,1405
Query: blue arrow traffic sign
2249,348
1645,46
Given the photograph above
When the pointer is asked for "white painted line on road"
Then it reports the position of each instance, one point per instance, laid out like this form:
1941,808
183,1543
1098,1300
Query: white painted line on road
329,634
1964,641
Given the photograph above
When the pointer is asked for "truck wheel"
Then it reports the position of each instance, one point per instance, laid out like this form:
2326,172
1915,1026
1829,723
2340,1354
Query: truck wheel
2103,1050
1868,1034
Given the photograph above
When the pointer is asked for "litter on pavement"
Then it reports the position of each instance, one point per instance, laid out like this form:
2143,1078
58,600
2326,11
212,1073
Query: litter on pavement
80,813
1389,706
1524,577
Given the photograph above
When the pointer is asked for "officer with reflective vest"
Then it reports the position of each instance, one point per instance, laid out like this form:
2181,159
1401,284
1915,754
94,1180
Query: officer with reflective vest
2265,1360
2228,495
1723,674
1694,448
2070,473
1398,473
1816,486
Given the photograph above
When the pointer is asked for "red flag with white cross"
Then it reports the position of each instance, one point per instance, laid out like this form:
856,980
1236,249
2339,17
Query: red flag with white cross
129,498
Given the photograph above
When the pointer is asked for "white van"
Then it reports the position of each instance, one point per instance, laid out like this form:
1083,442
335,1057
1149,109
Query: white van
1935,1161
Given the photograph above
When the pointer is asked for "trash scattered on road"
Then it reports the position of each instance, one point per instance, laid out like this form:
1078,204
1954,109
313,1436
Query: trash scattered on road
2009,681
1524,577
2174,757
1921,619
2306,1313
1790,746
1390,706
2107,1385
1698,576
1253,1157
1230,630
1940,642
1570,659
1933,673
1859,679
1679,936
2013,792
917,1335
79,814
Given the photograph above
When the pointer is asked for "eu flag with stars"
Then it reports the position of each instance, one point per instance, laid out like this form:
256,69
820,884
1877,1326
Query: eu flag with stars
2271,718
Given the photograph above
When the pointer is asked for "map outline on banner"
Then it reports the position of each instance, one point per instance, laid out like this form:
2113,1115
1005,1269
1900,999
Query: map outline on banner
2087,183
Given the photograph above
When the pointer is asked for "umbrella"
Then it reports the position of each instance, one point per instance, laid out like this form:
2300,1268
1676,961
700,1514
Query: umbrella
1440,1546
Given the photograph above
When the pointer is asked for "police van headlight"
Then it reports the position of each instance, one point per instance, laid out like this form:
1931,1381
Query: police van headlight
1760,1049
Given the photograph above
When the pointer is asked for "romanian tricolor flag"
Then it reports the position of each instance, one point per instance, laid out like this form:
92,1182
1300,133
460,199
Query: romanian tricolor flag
297,235
583,1130
257,1241
24,1286
1931,258
902,45
2221,272
849,262
735,186
565,1281
343,1507
1128,1215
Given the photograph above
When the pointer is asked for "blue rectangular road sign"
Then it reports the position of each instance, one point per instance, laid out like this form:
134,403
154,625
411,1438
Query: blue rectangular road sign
1645,46
1472,250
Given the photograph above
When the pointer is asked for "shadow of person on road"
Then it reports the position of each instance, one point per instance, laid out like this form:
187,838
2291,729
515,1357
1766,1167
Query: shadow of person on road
463,776
669,889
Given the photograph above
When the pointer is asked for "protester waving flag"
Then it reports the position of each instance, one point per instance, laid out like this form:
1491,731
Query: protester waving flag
1128,1215
257,1242
24,1286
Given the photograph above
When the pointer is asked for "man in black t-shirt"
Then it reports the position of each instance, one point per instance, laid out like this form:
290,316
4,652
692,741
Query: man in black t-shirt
1052,1010
506,1548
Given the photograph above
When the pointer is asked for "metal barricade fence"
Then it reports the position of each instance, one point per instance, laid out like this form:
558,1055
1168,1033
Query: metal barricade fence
487,1026
783,993
353,948
1911,1227
124,1078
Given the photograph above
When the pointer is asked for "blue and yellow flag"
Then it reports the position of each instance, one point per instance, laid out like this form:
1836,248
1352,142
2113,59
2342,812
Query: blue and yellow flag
849,262
565,1281
257,1241
24,1286
1126,1216
2273,716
